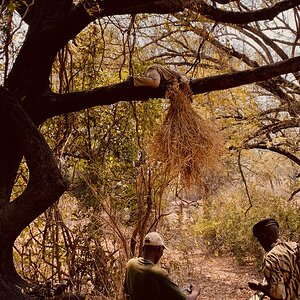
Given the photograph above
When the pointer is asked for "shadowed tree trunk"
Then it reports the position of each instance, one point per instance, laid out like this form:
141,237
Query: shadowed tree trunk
20,135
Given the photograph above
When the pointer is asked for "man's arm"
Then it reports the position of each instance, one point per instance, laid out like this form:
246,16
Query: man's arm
256,286
195,293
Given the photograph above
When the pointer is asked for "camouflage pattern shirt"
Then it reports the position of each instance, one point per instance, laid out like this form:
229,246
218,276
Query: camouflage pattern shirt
282,270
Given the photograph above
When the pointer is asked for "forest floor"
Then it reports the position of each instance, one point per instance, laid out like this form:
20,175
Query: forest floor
220,278
223,278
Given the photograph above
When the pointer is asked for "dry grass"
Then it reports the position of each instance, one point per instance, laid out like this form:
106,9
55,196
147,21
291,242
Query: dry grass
187,146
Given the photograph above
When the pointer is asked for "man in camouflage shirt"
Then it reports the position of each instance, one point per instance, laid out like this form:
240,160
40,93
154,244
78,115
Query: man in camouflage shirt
281,265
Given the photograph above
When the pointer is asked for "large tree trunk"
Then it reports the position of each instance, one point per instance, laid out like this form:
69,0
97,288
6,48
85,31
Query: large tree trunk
11,283
18,134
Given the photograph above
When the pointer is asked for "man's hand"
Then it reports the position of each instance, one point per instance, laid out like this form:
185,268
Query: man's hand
195,293
253,285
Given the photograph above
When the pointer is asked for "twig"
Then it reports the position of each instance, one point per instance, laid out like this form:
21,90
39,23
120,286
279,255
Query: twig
244,181
198,58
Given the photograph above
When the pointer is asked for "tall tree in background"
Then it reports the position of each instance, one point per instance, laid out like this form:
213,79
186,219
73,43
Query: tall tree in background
27,100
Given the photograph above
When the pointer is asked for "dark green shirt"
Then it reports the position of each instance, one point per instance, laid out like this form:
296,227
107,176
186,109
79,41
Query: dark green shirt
146,281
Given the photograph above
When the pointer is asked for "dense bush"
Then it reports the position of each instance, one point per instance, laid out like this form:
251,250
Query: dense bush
227,225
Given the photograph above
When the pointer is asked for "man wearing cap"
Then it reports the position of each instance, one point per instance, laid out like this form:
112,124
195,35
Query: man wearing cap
144,280
281,264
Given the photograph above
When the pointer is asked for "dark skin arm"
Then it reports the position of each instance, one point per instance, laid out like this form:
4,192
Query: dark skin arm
256,286
195,293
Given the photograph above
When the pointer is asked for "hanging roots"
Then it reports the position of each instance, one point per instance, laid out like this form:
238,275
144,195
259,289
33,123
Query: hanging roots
187,146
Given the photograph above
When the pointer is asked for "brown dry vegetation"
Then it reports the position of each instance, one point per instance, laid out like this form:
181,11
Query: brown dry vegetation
188,146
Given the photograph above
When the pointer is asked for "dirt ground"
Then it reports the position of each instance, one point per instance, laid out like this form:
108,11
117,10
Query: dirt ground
219,277
223,278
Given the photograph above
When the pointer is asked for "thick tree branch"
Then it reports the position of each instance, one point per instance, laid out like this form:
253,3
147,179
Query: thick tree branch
276,127
45,184
274,86
211,12
223,16
79,17
118,7
56,104
278,150
53,23
263,73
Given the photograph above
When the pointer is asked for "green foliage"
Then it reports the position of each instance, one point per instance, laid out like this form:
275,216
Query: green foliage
108,162
227,225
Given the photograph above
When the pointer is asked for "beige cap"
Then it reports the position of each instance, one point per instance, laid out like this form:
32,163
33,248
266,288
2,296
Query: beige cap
153,239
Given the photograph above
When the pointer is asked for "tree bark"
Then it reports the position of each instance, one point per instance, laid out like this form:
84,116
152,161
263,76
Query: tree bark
18,134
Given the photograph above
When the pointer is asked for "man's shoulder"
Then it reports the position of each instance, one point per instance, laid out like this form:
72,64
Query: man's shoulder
159,271
283,247
156,271
132,261
289,245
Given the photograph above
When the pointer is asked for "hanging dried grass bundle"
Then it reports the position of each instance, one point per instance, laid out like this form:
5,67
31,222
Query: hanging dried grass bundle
186,145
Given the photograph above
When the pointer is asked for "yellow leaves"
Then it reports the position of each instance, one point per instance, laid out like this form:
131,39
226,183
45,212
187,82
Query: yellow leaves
269,144
276,141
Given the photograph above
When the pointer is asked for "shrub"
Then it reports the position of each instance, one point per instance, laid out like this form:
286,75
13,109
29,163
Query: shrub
227,225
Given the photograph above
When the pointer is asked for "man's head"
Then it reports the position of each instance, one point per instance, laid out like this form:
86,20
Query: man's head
266,232
153,246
